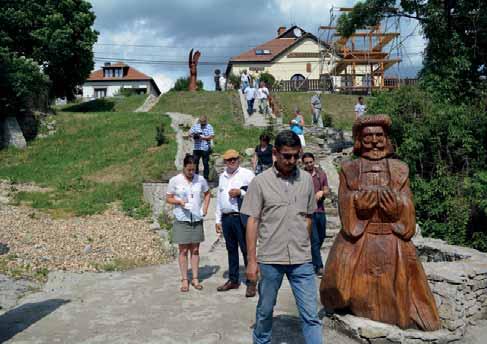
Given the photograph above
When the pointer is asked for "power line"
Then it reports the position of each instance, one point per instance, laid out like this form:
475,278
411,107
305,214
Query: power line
175,47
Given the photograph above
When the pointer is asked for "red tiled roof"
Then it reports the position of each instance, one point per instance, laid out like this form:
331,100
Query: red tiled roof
130,74
276,46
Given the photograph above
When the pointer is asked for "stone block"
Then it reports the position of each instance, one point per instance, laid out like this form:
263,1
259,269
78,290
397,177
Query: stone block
13,136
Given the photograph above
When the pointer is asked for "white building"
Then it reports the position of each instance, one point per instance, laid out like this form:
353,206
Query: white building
109,80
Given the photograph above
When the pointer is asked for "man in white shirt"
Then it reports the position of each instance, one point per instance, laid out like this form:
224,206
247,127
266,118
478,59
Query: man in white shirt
250,93
244,81
360,108
232,186
262,96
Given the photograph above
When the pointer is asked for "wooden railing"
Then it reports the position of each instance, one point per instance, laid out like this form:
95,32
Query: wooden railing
319,85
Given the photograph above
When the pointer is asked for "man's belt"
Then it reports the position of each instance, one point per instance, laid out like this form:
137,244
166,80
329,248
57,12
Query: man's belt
234,213
379,228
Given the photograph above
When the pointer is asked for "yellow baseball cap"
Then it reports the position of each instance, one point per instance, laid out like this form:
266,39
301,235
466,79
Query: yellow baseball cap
231,153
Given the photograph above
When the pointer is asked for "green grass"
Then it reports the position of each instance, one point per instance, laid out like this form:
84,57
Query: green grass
224,114
341,107
117,104
93,159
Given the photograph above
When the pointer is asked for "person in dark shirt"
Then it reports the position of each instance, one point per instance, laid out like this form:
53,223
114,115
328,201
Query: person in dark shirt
262,158
318,232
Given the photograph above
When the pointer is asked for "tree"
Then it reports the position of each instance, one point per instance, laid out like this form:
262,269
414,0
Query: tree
57,34
456,30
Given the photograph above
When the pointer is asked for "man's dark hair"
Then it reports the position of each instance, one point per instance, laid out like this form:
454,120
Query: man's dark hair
287,138
265,138
188,159
360,98
308,155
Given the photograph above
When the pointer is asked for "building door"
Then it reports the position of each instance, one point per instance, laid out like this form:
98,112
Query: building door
100,92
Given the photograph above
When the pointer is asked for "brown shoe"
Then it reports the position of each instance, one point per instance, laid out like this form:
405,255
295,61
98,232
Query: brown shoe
251,289
228,285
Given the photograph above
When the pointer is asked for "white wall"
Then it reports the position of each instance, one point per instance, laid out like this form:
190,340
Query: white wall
113,87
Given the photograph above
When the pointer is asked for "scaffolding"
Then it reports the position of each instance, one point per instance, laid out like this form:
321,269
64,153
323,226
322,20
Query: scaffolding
361,60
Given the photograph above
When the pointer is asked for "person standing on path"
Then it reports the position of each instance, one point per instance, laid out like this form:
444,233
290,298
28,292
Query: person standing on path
262,96
262,159
316,110
318,228
280,203
250,94
360,108
232,186
202,133
186,191
244,81
297,125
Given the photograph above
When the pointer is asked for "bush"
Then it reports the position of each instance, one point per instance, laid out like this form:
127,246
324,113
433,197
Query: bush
327,120
126,92
182,84
445,147
234,80
268,79
160,135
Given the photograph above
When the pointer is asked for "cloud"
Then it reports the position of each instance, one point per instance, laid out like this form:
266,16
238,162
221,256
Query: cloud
218,28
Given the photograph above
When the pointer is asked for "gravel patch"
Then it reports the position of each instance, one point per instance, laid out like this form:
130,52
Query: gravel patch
39,243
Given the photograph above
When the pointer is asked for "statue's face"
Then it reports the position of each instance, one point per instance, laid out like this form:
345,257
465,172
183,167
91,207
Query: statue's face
373,141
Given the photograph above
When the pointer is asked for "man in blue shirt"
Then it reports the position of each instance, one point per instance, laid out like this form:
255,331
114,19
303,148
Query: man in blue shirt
202,134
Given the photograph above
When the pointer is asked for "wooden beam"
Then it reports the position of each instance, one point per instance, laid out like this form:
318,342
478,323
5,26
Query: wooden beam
374,34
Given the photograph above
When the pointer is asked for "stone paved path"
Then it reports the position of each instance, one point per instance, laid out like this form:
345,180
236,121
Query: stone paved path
257,119
149,103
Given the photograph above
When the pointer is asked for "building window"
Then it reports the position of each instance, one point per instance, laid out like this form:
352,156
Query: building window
297,77
100,92
308,67
118,73
108,73
262,52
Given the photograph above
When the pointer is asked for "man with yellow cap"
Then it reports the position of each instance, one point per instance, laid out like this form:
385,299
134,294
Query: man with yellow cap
232,186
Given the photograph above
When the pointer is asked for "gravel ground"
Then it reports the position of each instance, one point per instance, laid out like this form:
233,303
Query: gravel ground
107,241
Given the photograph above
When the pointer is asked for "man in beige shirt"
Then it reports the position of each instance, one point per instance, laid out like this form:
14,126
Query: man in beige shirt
280,203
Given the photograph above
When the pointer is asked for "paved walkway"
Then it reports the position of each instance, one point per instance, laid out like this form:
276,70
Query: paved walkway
145,306
257,119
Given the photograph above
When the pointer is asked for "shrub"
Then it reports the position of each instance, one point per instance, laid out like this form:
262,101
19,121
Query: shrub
445,147
182,84
327,120
160,135
234,80
268,79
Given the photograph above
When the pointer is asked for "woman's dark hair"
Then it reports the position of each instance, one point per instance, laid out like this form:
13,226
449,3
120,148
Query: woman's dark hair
308,155
287,138
265,138
188,159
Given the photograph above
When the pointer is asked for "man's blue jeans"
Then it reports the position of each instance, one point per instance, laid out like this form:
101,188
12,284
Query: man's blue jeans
318,234
302,280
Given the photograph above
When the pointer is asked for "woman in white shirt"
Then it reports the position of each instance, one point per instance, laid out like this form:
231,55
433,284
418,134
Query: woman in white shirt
187,191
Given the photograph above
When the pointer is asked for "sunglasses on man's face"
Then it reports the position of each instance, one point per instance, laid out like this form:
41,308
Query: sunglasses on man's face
289,156
231,160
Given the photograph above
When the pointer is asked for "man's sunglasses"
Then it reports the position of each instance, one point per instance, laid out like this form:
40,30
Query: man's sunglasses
289,156
231,160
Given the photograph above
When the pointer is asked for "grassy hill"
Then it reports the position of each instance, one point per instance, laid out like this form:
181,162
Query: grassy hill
94,158
340,107
224,114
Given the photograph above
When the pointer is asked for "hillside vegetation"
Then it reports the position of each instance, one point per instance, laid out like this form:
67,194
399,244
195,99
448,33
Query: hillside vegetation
93,159
340,107
224,114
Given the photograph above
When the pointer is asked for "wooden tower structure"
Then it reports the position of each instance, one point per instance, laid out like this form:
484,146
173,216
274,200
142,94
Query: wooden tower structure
362,58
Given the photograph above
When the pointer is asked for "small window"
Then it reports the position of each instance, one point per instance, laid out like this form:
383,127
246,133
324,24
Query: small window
118,72
262,52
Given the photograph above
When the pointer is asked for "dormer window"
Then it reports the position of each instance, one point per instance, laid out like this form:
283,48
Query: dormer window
262,52
118,73
108,73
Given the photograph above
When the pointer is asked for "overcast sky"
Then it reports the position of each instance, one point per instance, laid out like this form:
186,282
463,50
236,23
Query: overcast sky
163,31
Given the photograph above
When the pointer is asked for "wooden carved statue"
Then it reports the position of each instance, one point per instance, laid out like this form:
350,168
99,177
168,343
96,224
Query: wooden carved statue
372,269
193,63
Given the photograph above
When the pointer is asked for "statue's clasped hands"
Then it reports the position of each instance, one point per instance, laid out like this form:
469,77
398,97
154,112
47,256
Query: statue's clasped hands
383,197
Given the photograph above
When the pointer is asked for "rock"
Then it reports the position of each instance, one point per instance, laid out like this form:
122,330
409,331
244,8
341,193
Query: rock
87,249
11,290
154,226
12,134
249,152
4,248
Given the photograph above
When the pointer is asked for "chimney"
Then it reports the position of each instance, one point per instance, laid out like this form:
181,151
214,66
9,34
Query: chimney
281,30
107,64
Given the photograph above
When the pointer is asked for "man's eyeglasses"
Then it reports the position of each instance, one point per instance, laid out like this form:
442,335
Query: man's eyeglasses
231,160
289,156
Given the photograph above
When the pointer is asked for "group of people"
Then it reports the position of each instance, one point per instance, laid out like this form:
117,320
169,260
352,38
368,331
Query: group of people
255,90
280,204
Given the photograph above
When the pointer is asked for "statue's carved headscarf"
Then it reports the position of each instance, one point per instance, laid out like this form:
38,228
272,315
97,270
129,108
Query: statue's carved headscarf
360,123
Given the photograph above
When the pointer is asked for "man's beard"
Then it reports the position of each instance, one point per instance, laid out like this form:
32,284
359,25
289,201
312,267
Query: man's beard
372,154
